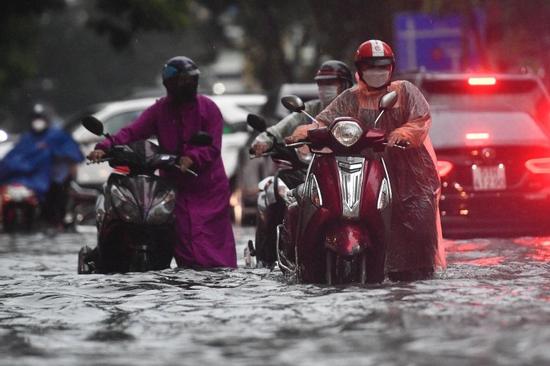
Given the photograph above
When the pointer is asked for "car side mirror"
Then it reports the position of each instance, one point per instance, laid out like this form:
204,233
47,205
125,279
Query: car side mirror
93,125
293,103
201,138
387,101
256,122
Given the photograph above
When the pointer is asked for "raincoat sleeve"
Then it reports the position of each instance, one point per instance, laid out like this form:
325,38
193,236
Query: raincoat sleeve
287,125
19,160
416,129
342,106
142,128
203,156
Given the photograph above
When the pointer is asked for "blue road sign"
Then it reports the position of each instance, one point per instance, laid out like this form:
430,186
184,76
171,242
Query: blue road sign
428,42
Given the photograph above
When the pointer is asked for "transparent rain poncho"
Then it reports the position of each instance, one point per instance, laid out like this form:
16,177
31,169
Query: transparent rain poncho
416,240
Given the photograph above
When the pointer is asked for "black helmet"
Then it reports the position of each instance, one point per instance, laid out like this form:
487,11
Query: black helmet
334,69
39,112
179,65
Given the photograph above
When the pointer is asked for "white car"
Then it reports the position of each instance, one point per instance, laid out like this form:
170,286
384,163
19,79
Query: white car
115,115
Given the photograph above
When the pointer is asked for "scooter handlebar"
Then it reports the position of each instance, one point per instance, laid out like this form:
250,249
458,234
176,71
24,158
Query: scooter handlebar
402,145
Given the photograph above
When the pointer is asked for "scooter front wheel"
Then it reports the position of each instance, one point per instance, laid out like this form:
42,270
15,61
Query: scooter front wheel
85,263
340,270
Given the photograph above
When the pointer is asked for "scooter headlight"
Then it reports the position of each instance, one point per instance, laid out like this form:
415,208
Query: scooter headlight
347,132
18,193
162,208
125,205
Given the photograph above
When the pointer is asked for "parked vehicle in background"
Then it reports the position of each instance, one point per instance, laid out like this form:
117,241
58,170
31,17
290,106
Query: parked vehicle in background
495,172
7,144
505,92
491,137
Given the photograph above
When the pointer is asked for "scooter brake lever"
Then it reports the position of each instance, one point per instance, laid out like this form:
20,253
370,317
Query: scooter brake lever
397,146
187,171
191,172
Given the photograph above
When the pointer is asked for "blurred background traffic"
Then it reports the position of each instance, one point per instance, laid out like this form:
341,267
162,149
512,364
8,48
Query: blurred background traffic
483,66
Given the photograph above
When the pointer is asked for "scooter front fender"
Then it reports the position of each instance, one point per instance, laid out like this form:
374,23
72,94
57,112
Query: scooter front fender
347,239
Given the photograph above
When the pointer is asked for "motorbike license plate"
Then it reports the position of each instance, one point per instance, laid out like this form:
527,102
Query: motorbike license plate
489,178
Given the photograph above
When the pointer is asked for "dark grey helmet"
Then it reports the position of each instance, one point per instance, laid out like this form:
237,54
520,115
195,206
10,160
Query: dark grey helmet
334,69
179,65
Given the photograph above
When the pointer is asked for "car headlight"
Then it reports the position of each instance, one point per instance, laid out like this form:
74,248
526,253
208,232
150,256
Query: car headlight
162,208
125,204
347,132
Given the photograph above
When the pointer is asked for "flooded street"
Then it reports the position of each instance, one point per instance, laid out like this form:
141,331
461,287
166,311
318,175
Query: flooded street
491,307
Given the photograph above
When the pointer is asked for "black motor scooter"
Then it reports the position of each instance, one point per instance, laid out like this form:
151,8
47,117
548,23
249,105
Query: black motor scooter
134,213
275,193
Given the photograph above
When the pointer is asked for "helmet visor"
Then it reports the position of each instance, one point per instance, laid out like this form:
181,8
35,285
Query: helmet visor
327,77
375,61
169,72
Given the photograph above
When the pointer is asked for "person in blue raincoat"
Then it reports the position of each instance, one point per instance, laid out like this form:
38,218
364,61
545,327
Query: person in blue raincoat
39,156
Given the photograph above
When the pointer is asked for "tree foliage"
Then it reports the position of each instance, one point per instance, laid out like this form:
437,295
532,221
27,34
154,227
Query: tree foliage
282,41
18,27
121,19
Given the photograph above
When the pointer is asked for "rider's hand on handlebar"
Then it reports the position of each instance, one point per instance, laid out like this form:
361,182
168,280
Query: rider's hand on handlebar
96,155
300,133
185,163
397,138
261,144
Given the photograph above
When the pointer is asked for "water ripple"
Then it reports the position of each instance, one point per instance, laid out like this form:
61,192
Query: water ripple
491,306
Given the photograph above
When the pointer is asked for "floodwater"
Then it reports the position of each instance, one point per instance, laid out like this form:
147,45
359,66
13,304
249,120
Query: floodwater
491,307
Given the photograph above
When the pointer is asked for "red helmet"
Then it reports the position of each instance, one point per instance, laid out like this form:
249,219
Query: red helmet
374,53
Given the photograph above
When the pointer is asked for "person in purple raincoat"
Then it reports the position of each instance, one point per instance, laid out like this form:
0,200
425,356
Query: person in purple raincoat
203,223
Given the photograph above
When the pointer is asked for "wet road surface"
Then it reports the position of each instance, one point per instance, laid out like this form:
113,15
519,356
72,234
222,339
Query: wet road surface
491,307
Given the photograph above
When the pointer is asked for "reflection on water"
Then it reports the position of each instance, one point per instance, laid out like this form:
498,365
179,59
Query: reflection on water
492,306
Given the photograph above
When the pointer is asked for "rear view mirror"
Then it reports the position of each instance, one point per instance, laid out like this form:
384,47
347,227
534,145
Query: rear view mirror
201,138
93,125
387,101
256,122
293,103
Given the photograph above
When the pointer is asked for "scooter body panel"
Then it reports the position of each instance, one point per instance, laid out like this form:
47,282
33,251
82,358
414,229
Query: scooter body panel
131,235
347,219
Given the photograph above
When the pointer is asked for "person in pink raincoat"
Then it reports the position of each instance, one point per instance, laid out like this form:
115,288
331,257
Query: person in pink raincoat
415,249
203,223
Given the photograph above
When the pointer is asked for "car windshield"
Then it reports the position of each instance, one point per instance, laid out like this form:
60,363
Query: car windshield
456,128
503,92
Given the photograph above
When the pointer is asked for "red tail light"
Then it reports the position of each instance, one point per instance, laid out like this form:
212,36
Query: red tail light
444,167
482,81
538,166
122,169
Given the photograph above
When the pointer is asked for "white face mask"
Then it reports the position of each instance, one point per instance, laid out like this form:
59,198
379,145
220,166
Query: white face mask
376,78
327,93
39,125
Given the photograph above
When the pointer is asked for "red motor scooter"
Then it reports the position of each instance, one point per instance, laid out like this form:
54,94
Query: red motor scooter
337,228
19,207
